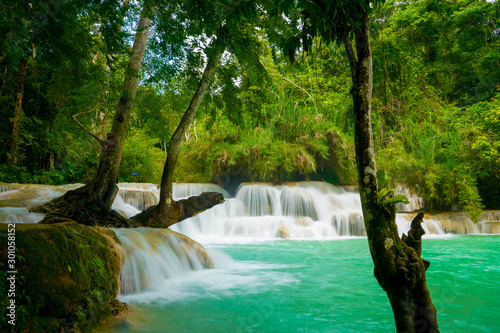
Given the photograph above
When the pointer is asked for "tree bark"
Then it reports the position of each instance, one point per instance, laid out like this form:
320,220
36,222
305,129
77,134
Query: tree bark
110,159
168,211
17,113
178,210
399,269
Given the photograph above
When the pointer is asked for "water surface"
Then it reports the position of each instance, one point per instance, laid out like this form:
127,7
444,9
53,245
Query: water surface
317,286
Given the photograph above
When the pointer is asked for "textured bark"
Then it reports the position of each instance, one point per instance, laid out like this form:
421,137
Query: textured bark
91,204
176,140
110,159
399,269
17,113
168,211
177,210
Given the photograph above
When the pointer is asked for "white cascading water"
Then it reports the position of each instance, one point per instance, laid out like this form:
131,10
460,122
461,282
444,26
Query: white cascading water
302,210
151,255
14,198
138,195
292,210
155,255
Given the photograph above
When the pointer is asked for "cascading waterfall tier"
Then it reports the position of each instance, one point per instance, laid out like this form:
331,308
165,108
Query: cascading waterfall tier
317,210
292,210
14,198
154,255
142,196
138,195
297,210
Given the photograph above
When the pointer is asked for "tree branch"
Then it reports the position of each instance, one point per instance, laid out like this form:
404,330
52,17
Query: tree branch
83,127
350,55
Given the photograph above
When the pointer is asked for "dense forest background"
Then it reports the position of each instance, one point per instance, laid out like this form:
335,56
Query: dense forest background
436,100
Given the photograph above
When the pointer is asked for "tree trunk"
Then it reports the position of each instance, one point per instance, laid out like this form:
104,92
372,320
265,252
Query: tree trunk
168,211
17,113
110,159
91,204
399,269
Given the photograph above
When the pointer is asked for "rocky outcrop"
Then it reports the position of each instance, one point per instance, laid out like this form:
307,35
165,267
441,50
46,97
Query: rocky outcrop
67,276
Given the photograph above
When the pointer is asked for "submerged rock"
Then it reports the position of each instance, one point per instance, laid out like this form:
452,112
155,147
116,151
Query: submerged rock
282,232
67,276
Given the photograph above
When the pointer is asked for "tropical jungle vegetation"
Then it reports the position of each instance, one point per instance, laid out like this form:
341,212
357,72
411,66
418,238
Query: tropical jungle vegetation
436,101
235,91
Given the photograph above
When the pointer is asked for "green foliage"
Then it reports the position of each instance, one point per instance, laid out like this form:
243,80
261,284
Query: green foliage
385,196
281,152
435,107
443,161
141,155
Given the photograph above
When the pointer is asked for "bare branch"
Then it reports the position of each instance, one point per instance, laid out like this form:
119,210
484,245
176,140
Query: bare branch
83,127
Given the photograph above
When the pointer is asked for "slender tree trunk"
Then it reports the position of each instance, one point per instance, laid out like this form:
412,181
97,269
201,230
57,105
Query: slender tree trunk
168,211
17,113
91,204
399,269
111,158
177,137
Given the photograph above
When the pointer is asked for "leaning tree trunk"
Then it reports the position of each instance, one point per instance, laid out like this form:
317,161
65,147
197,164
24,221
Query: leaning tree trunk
17,113
109,165
399,268
168,211
91,204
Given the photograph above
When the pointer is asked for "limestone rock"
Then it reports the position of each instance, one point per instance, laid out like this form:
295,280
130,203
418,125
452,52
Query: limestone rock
282,232
67,275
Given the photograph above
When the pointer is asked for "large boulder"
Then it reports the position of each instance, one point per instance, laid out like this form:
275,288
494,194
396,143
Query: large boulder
67,276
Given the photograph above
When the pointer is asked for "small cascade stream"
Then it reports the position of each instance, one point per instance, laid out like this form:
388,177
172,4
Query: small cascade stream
155,255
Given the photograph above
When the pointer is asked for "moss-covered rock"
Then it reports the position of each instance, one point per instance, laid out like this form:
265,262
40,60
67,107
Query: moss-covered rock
67,276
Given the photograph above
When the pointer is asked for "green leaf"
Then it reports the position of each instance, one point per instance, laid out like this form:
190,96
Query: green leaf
396,199
382,178
383,193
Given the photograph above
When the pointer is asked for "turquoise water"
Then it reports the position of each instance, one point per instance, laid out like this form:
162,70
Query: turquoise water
318,286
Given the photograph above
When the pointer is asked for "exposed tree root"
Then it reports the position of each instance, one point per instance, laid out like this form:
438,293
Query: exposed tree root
164,216
83,206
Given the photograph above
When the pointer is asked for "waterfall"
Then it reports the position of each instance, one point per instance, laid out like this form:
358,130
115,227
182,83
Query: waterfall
154,255
312,210
5,188
489,222
301,210
258,211
140,196
416,202
184,190
14,198
294,210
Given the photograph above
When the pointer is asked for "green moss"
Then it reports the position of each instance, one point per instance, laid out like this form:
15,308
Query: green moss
71,276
